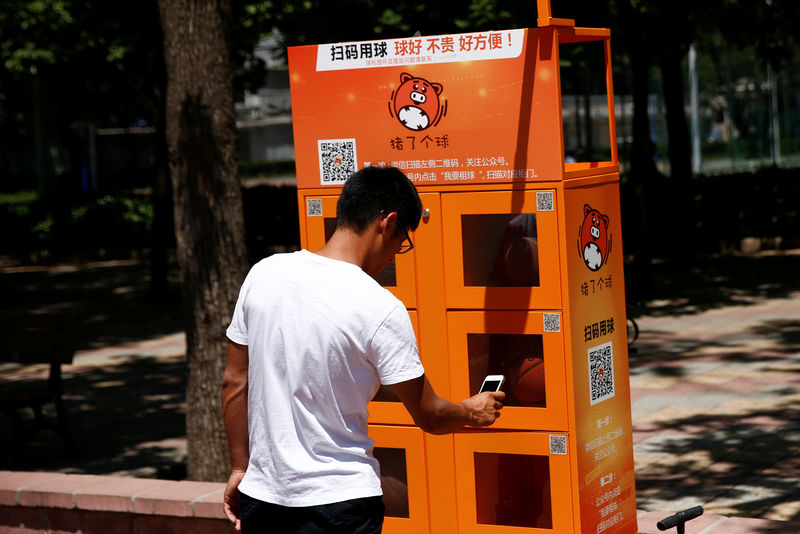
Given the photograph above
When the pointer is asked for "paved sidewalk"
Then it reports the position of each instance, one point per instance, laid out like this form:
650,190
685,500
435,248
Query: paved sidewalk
716,411
715,401
715,388
718,524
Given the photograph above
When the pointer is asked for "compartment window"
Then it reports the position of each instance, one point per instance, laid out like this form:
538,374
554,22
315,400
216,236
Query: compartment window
520,357
513,490
500,249
394,480
584,103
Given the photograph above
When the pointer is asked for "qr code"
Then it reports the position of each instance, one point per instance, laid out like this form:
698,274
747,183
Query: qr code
337,160
313,207
544,201
558,444
601,373
551,322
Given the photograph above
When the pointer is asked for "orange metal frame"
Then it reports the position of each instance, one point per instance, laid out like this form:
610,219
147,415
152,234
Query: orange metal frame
552,416
458,295
499,145
515,443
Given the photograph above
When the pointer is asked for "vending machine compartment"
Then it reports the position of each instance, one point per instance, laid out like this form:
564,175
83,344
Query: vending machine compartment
516,480
527,348
501,250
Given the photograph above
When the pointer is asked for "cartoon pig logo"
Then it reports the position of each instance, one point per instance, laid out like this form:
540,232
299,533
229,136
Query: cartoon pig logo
594,240
416,102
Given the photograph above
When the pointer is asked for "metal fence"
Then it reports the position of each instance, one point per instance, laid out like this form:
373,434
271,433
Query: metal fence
741,114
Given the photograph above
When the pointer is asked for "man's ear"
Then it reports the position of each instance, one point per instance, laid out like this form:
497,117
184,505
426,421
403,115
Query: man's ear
387,220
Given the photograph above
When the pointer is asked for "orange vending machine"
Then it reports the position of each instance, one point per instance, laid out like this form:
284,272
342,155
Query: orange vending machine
517,270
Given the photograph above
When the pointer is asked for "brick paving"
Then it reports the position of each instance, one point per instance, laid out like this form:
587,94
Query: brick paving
716,410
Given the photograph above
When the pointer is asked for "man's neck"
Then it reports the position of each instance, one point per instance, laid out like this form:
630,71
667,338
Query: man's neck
348,246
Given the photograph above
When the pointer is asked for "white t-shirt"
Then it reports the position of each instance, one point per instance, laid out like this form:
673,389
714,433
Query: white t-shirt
322,335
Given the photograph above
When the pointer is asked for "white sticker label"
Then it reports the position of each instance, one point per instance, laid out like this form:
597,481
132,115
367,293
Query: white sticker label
479,46
544,201
558,444
337,160
314,207
601,372
551,322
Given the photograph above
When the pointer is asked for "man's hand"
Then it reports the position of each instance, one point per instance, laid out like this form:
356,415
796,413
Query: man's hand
484,408
436,415
230,502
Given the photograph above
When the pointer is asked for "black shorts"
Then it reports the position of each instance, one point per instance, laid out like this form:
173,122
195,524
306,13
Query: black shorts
356,516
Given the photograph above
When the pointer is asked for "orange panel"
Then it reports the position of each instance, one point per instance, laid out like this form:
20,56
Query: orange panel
501,250
578,35
485,108
592,168
401,451
319,212
430,294
441,483
543,10
504,278
612,125
513,482
517,345
597,339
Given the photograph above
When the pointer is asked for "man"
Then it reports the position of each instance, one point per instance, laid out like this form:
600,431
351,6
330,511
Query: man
312,338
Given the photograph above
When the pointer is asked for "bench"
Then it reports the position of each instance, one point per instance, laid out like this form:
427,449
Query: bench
35,339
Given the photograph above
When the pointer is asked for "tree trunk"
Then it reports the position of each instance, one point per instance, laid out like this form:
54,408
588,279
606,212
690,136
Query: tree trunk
644,176
209,223
680,158
679,195
643,165
163,228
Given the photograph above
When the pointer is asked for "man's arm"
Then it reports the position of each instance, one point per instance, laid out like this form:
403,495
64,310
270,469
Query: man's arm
234,413
436,415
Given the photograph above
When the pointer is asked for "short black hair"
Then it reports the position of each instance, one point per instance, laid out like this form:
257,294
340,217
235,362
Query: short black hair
372,191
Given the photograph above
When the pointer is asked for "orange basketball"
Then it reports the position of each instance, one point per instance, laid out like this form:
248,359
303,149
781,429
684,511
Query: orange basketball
526,380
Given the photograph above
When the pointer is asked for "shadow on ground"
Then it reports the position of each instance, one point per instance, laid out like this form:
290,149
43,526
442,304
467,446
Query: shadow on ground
717,381
706,283
126,417
744,464
110,301
665,353
126,413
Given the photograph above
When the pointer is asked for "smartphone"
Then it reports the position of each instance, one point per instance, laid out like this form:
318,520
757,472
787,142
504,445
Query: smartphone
492,383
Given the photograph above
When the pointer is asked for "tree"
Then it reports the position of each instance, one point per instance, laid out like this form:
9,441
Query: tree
66,65
209,222
676,32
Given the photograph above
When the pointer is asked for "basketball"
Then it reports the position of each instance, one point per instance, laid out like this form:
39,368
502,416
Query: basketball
526,380
522,261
